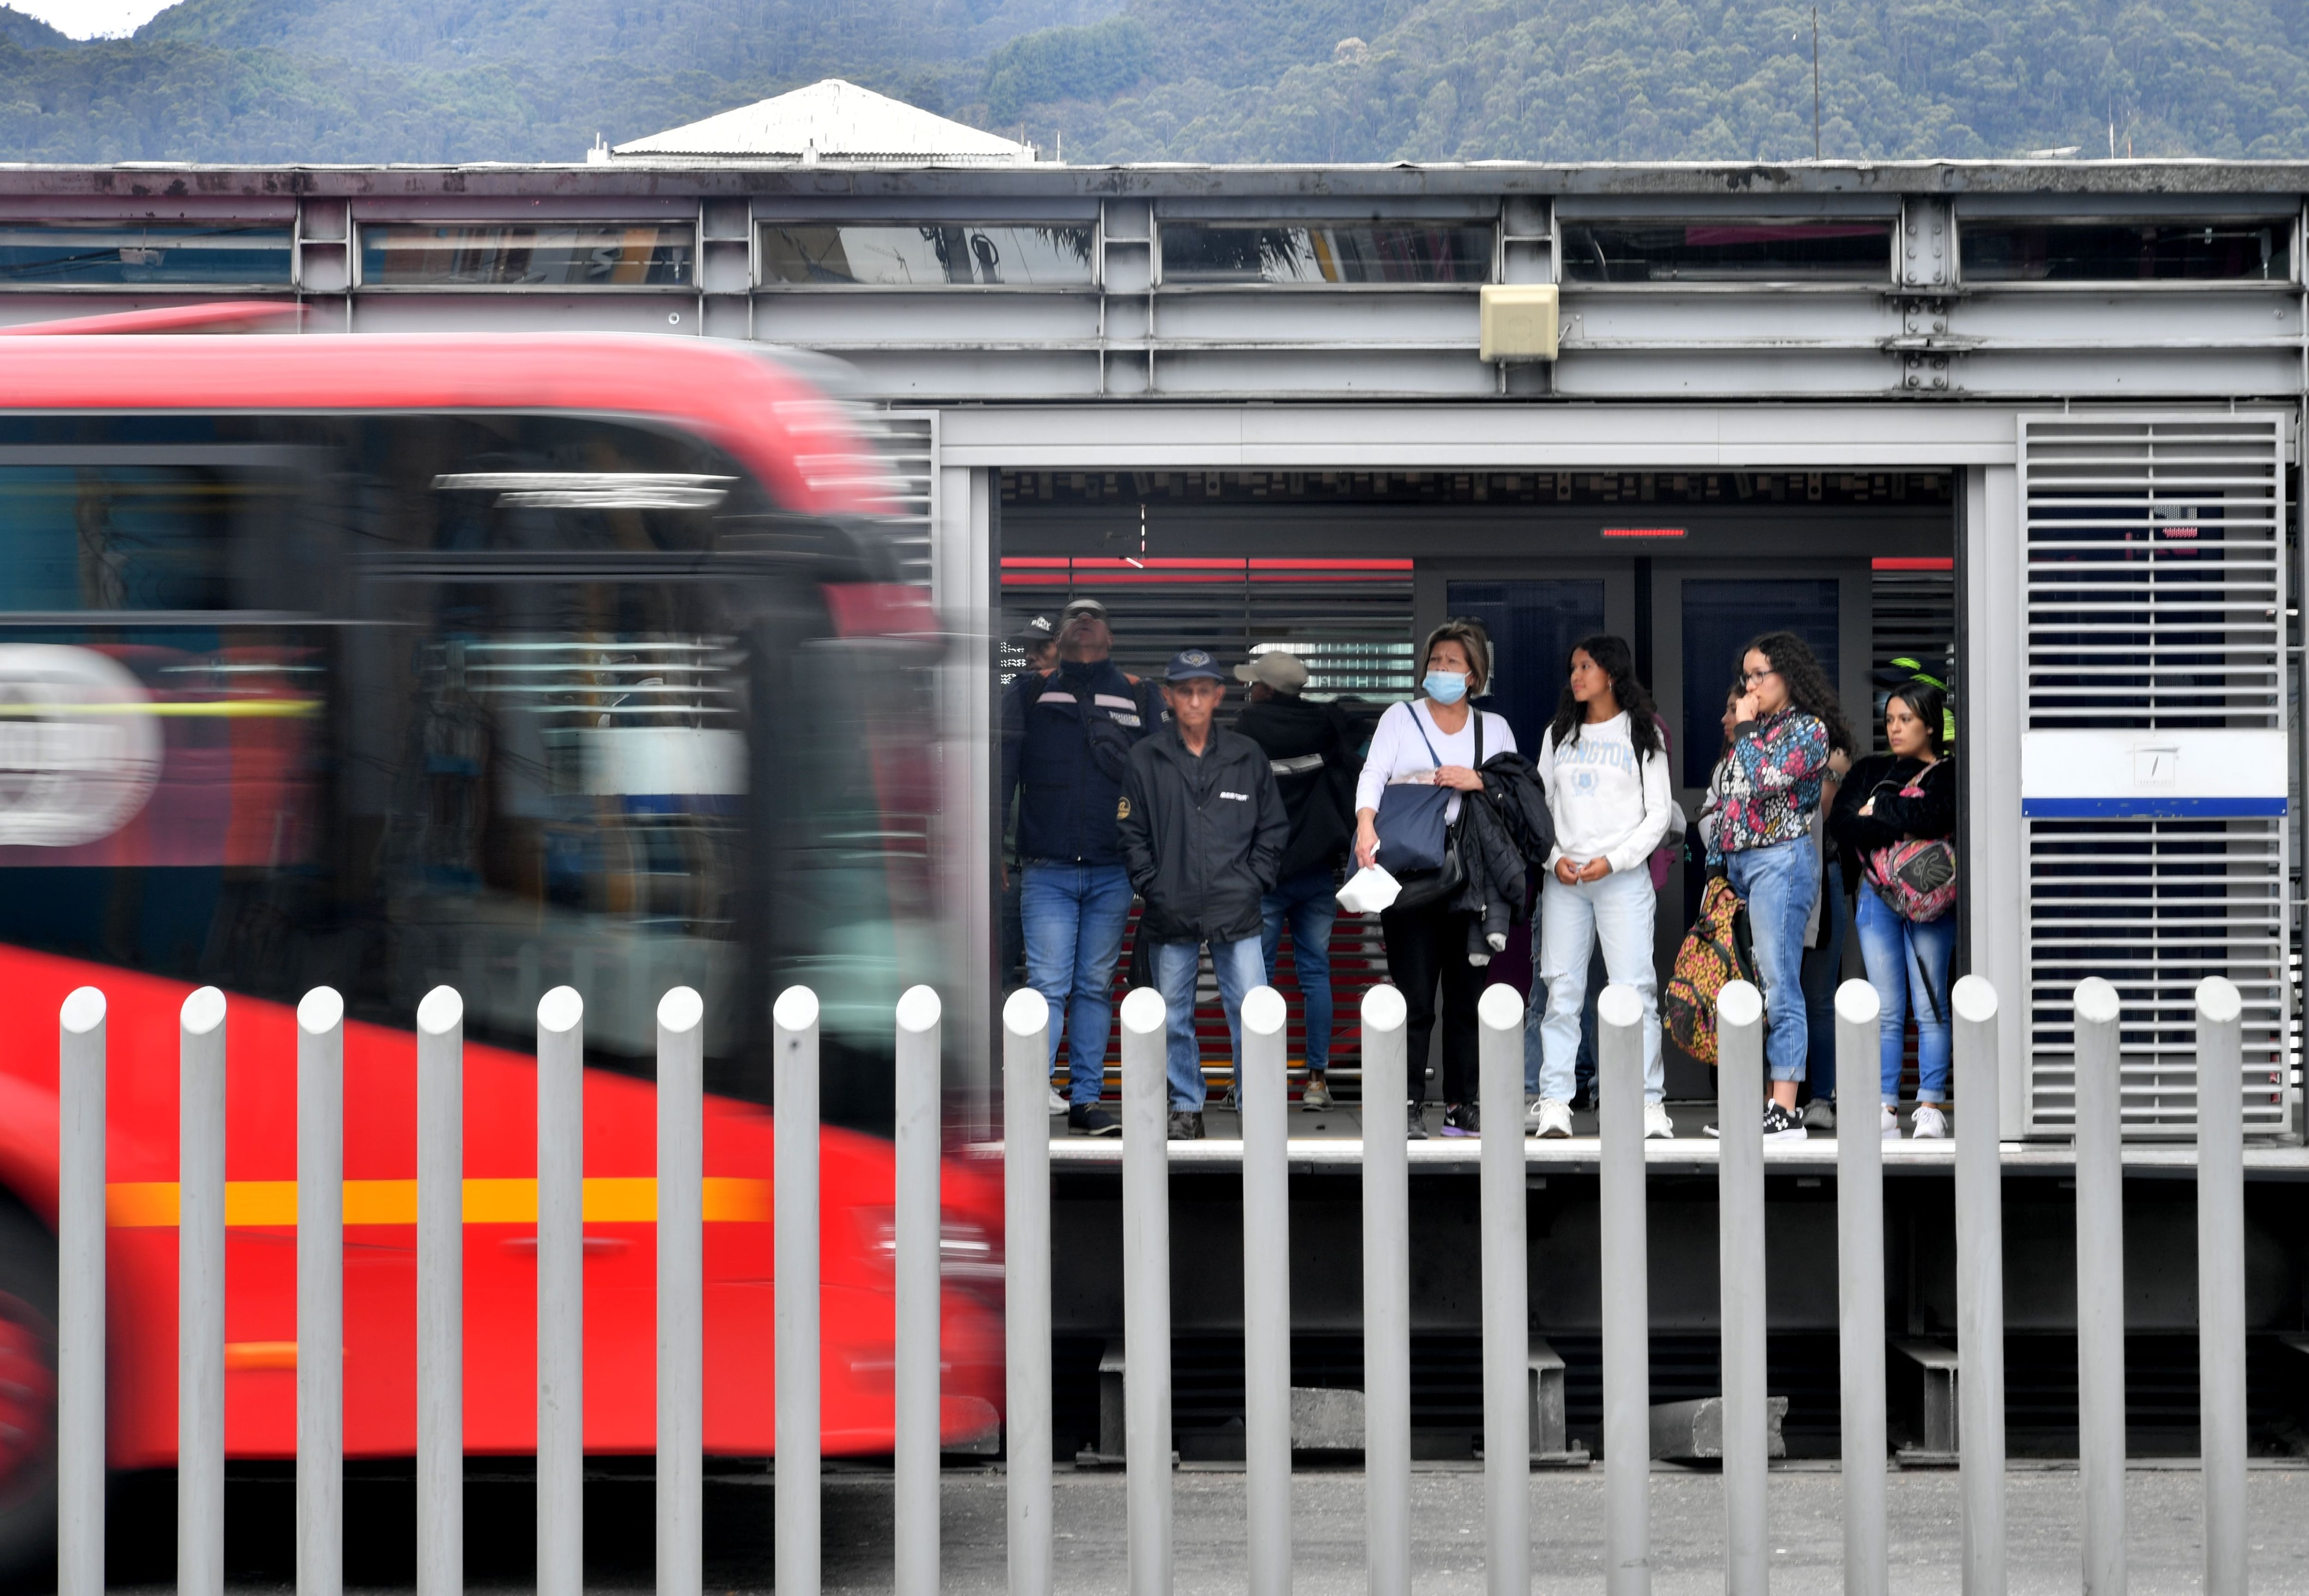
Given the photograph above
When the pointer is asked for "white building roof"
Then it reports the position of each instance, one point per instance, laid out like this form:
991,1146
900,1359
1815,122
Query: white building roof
828,121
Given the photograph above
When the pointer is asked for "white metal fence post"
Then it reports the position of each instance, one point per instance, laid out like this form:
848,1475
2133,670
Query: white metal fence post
1627,1293
1387,1297
1979,1286
320,1293
2220,1280
916,1220
1740,1243
1147,1293
200,1295
441,1293
561,1293
680,1292
2100,1283
1860,1287
794,1196
1264,1093
1506,1311
1026,1286
80,1247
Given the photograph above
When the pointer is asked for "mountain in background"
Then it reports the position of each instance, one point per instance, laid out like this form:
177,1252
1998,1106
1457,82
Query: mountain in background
282,81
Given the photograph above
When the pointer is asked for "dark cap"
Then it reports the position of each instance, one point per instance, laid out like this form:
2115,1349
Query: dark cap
1085,606
1193,664
1035,633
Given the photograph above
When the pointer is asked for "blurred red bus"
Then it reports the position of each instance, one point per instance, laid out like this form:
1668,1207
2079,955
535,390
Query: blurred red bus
388,663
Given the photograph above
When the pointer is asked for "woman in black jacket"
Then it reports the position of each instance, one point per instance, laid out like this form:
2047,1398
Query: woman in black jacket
1906,795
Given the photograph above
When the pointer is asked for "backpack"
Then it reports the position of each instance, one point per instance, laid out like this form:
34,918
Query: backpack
1716,952
1915,876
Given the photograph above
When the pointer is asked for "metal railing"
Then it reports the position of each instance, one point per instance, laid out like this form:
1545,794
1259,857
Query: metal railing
81,1240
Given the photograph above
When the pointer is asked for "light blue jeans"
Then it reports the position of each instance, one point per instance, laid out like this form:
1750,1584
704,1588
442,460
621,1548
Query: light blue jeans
1779,884
1905,960
1073,917
1239,967
1618,910
1309,902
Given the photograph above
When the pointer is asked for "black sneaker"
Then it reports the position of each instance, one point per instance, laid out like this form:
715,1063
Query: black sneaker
1780,1126
1460,1119
1414,1128
1187,1126
1088,1119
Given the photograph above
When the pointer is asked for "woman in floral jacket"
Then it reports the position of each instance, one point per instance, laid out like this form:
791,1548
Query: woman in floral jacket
1786,723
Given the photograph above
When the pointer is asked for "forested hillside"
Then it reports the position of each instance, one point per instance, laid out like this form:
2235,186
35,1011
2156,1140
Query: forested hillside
1173,80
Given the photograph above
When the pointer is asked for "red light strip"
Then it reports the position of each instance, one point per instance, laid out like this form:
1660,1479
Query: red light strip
1905,562
1643,532
1021,561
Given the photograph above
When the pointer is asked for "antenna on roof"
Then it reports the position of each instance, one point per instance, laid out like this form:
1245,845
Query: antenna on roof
599,154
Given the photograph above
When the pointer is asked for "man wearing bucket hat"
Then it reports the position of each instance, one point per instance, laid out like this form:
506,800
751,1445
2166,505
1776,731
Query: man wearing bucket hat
1203,828
1311,748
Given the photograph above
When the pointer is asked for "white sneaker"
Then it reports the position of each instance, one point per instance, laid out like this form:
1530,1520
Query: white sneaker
1531,1116
1889,1124
1554,1117
1657,1126
1057,1104
1930,1124
1820,1114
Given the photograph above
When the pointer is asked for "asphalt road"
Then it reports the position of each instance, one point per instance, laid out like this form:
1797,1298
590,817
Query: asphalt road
1567,1516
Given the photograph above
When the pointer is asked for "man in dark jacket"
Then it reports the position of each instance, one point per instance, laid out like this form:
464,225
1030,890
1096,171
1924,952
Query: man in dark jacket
1203,828
1312,749
1066,739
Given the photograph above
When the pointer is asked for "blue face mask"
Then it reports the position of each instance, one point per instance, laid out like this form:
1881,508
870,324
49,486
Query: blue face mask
1444,686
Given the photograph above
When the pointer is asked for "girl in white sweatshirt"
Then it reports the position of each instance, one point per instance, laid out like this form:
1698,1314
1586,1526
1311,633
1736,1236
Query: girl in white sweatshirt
1605,769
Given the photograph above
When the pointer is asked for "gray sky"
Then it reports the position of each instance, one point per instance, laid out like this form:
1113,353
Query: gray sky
85,19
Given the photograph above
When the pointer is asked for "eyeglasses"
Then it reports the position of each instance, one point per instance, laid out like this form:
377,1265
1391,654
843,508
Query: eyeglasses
1752,677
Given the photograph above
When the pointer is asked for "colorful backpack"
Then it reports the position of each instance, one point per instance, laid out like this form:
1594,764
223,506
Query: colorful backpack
1716,952
1915,876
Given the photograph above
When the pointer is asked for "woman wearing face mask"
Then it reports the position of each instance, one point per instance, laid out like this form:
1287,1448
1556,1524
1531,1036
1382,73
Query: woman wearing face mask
1890,798
1434,739
1787,723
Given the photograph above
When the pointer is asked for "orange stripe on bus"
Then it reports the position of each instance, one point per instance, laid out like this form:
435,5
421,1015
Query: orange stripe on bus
609,1199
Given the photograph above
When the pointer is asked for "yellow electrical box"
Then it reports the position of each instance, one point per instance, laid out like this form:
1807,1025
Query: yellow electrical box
1518,320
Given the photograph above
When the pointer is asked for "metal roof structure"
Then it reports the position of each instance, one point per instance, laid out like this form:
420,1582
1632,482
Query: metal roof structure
832,120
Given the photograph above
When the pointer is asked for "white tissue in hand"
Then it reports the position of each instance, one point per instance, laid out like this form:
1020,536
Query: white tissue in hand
1369,891
1499,941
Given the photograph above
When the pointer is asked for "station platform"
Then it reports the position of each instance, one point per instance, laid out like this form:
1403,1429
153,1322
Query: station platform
1332,1140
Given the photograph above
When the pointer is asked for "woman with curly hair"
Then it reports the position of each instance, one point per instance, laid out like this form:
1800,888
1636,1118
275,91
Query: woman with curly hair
1605,770
1787,725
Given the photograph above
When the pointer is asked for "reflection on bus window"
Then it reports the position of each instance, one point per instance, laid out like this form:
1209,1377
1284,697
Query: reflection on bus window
1856,250
1994,250
910,255
570,808
566,254
1322,253
115,537
84,253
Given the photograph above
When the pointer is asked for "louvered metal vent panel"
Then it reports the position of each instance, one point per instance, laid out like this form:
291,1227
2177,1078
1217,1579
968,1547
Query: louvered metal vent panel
909,440
1912,616
2153,607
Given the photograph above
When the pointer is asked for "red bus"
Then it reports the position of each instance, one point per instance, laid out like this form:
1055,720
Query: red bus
388,663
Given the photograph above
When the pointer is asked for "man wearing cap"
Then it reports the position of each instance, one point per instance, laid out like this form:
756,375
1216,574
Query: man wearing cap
1310,749
1036,638
1203,828
1066,738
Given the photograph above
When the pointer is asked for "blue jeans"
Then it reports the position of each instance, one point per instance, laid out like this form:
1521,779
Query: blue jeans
1238,968
1779,884
1617,912
1309,902
1905,960
1073,917
1823,972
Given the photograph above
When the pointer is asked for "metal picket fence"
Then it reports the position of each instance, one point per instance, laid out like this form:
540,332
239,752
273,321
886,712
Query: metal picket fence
1386,1308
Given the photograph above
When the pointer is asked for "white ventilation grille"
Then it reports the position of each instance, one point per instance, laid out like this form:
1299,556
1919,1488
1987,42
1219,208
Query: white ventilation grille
2154,595
910,447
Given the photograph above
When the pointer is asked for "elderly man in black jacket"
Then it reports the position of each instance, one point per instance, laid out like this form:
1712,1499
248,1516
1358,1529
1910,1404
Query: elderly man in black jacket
1203,828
